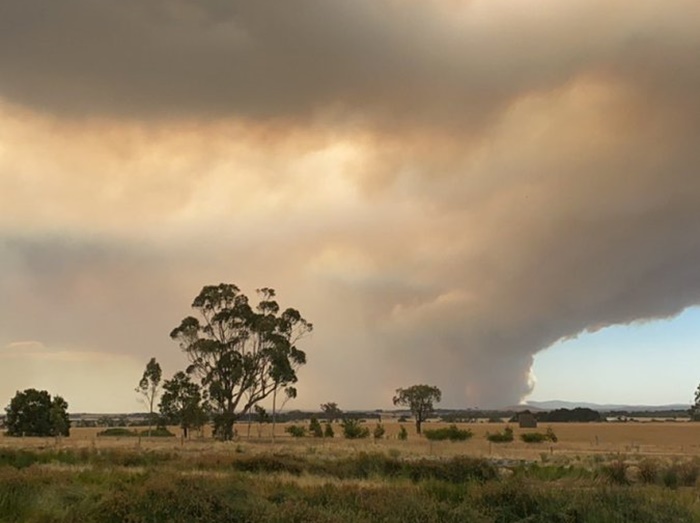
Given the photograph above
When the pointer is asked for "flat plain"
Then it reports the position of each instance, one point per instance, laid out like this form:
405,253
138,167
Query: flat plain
650,438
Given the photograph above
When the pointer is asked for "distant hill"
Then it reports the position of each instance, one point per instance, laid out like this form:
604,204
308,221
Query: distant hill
551,405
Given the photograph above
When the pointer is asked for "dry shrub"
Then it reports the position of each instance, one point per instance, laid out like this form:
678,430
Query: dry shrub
649,471
616,472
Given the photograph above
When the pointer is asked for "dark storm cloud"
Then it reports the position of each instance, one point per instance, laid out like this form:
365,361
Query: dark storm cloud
383,62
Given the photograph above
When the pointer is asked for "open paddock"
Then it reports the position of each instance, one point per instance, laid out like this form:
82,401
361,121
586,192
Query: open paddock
655,439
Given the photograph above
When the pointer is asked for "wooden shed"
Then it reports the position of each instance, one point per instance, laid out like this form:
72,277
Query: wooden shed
527,420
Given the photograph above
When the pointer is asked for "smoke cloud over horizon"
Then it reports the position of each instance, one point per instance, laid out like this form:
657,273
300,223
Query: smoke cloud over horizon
443,188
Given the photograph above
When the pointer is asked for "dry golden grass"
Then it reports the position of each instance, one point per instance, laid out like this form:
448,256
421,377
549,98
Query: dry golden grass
659,439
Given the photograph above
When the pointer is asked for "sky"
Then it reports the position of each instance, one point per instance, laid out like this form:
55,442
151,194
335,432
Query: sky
499,198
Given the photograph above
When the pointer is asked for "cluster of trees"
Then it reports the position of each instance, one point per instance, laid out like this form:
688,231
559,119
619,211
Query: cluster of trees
35,413
579,414
239,355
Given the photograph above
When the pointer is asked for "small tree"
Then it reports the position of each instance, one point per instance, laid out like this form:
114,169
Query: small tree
148,387
352,429
331,411
315,428
695,408
261,416
183,404
328,431
419,399
34,413
403,433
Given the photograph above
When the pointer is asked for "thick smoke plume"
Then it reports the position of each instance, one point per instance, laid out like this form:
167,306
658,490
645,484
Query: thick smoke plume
444,188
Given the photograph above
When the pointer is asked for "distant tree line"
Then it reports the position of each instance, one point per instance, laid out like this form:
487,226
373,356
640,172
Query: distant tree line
579,414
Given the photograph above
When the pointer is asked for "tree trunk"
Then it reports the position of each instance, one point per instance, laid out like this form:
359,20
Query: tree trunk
274,412
150,416
226,427
418,423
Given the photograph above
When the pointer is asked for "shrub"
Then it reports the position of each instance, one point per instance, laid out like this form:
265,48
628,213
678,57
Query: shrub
539,437
451,433
533,437
616,472
328,431
315,428
681,474
297,431
648,471
670,478
403,434
379,431
501,437
352,429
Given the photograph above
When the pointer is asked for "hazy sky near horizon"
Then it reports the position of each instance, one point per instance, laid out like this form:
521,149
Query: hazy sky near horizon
444,188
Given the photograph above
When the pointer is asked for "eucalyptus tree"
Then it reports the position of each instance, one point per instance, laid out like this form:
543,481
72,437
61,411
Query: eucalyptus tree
419,399
149,386
183,403
242,354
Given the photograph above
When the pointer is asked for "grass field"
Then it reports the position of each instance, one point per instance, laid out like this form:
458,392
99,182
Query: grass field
659,439
605,472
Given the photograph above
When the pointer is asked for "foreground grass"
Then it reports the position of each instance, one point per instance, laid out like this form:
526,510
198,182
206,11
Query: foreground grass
144,487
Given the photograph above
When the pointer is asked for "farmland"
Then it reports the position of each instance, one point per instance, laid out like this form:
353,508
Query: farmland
657,439
594,472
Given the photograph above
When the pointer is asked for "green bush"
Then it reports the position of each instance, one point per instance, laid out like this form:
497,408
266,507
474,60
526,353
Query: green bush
379,431
328,431
501,437
451,433
539,437
403,434
352,429
315,428
533,437
297,431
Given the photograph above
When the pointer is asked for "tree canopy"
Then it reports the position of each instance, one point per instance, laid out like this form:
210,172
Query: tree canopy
331,411
242,354
34,413
419,399
182,403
